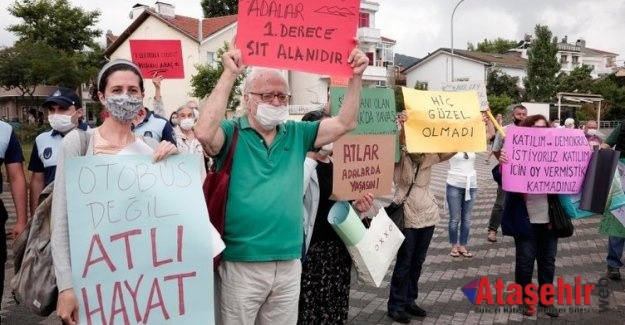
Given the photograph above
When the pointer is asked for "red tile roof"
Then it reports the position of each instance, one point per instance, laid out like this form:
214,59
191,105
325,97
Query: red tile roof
186,25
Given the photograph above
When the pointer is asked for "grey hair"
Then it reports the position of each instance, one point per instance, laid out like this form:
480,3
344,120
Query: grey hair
251,77
195,114
256,71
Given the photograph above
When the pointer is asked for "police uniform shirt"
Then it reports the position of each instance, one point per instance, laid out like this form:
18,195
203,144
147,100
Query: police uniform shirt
10,150
45,154
156,127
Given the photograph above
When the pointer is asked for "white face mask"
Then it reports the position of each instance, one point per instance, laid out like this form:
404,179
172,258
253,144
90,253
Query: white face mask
591,132
61,122
187,124
269,116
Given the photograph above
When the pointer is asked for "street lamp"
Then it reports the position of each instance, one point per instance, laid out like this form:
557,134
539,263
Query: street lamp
452,39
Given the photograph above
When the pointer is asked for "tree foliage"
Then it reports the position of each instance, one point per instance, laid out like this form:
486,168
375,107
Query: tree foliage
29,64
207,76
499,103
612,89
217,8
498,45
542,66
579,80
56,23
499,83
56,46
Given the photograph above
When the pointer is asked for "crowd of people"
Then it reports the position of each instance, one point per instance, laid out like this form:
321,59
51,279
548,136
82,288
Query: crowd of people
290,267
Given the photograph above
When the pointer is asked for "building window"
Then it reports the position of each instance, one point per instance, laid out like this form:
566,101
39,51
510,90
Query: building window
364,20
563,59
210,58
575,59
370,56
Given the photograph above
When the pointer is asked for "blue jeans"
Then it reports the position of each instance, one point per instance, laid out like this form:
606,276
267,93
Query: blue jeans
410,258
615,251
459,213
541,247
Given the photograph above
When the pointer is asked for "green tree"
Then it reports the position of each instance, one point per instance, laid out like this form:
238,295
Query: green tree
542,66
579,80
499,83
27,65
399,99
56,23
217,8
612,89
207,76
499,103
498,45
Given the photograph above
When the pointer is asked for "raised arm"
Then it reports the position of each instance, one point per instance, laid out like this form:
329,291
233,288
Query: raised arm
158,106
207,128
333,128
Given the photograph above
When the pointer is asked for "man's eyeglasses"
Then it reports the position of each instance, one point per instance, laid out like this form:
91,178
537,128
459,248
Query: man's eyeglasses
268,97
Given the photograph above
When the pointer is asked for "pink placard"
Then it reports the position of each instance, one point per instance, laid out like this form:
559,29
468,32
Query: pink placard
545,160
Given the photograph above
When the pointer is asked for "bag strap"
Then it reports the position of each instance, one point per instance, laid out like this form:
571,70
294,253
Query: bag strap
84,141
227,166
414,179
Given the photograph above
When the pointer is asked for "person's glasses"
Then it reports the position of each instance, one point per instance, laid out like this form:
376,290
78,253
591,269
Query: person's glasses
268,97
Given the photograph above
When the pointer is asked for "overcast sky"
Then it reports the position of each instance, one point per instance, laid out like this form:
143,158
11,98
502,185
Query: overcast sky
420,26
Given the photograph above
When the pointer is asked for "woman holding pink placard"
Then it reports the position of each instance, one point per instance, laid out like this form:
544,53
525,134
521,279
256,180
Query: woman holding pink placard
538,245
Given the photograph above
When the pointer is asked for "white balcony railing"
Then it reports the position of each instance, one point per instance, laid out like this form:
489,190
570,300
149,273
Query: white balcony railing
369,35
375,73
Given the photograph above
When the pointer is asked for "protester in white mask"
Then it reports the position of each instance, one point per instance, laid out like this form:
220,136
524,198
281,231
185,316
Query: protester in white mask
65,113
185,135
590,131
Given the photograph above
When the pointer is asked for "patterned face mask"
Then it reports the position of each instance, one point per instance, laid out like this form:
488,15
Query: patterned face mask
123,107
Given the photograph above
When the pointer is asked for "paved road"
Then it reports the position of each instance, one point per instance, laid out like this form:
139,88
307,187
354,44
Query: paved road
582,255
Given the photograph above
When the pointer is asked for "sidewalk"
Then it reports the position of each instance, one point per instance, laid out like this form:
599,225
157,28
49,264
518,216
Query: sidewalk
582,255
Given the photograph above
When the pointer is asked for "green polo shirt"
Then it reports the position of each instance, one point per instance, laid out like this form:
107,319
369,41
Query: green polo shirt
264,210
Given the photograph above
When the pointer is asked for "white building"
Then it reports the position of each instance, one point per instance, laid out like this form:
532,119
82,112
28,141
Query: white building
309,91
435,68
575,55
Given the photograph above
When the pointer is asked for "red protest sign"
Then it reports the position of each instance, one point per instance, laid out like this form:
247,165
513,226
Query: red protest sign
311,36
163,57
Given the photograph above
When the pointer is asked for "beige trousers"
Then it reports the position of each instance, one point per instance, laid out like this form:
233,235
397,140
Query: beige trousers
261,293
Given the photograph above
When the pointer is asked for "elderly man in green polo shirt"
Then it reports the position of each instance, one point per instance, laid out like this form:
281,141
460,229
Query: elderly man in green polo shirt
259,277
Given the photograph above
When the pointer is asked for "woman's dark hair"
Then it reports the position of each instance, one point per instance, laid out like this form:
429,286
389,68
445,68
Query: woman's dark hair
314,116
532,119
107,71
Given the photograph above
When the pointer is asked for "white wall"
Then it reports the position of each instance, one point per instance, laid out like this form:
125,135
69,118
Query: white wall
175,92
516,72
308,88
438,70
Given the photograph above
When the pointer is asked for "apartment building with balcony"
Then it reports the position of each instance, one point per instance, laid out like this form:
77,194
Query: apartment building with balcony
574,55
311,90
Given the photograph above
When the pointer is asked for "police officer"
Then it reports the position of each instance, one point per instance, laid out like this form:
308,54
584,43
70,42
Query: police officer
152,125
65,113
11,156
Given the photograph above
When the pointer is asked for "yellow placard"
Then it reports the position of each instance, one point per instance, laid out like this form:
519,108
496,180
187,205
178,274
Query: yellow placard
441,121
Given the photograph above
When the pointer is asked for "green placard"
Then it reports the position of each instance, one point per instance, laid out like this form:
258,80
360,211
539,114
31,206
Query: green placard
377,111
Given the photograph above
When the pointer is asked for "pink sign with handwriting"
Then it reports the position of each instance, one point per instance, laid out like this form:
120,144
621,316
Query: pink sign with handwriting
545,160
